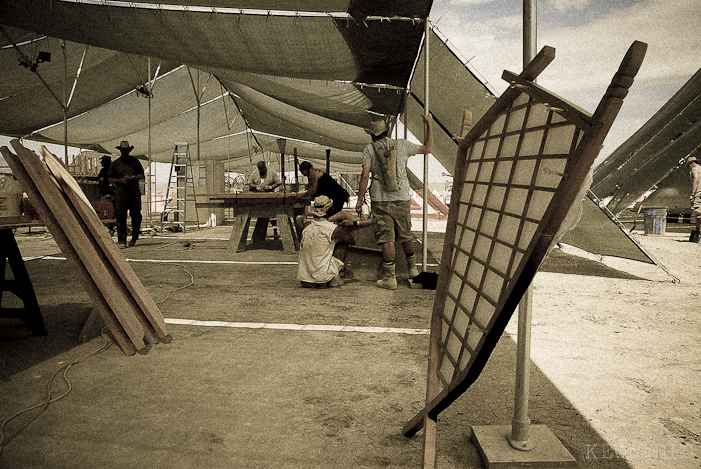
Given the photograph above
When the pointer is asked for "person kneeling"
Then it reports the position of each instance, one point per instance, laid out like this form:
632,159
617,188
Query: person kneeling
323,249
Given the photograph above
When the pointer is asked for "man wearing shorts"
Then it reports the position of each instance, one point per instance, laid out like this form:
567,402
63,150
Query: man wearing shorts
391,209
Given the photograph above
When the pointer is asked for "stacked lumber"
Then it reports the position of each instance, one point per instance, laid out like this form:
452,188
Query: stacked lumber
128,310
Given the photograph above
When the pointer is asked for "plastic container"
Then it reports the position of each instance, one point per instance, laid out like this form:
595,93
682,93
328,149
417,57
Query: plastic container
10,196
655,220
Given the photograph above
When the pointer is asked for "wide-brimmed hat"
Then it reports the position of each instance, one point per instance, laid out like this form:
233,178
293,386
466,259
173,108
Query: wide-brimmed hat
124,145
377,127
691,159
321,205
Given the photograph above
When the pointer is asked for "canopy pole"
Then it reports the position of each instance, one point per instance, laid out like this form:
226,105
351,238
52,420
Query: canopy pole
520,438
296,171
65,102
151,166
424,231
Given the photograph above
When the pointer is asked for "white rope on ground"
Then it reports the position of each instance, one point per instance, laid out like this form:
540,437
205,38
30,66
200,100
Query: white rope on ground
50,398
186,261
297,327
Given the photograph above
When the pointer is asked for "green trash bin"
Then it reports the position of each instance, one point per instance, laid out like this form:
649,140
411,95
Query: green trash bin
655,220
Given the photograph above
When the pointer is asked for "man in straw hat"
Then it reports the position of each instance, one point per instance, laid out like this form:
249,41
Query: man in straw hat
391,203
324,247
692,164
125,173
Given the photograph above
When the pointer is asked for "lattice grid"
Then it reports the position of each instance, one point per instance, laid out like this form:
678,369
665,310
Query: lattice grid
511,174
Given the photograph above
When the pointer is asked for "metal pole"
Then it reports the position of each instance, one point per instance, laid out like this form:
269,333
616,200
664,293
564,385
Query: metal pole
65,102
424,230
520,425
151,166
296,170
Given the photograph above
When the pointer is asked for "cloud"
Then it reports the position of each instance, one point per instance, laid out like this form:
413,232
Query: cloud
588,55
569,5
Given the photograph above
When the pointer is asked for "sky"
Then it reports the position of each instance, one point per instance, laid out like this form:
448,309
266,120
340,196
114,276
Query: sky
590,38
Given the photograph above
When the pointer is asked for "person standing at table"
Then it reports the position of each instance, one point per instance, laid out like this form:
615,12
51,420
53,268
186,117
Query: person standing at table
386,160
320,183
125,173
263,180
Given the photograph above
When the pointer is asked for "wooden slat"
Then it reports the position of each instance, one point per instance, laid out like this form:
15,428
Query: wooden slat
116,260
82,243
66,247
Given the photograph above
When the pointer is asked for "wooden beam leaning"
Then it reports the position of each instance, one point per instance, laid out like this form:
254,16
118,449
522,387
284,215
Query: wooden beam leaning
66,247
150,316
83,245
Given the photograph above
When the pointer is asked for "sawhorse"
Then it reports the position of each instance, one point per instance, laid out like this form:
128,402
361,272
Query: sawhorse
20,285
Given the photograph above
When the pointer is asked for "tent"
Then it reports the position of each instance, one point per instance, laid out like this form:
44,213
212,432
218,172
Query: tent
229,77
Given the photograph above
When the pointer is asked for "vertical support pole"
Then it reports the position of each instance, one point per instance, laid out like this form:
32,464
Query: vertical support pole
199,105
65,102
296,169
424,230
282,144
520,425
151,166
328,161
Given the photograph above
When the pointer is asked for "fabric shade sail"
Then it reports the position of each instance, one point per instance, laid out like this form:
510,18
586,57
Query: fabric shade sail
447,73
653,152
319,74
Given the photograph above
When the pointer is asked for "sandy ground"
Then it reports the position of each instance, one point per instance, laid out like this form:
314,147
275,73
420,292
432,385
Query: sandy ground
614,374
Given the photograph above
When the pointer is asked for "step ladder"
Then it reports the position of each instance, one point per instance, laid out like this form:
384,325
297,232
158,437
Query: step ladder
177,195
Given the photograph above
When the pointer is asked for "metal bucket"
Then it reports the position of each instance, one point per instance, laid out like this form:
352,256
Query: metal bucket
655,220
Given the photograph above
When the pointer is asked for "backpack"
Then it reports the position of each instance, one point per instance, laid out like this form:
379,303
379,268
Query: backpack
388,163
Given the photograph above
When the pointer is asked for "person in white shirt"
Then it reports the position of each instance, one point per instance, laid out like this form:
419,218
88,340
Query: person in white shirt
324,247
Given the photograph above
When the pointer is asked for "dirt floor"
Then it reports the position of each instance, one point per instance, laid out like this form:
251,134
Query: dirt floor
299,378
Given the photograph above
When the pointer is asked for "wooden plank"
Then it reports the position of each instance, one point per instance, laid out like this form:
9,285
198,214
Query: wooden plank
96,228
83,244
66,247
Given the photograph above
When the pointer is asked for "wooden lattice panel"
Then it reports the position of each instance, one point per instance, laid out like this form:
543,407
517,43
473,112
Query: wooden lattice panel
518,173
511,174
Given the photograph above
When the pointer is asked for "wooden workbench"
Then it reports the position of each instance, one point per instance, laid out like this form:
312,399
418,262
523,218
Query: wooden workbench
261,205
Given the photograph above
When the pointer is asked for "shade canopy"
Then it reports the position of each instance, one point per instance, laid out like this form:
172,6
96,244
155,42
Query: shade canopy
652,158
311,71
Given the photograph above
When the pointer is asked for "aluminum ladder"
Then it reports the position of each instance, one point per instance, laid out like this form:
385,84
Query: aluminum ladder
177,196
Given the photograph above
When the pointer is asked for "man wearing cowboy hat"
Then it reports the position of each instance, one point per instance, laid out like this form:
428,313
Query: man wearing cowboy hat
125,173
323,249
391,209
692,164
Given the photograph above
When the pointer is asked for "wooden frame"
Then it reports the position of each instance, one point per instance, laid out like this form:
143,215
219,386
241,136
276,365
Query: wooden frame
518,173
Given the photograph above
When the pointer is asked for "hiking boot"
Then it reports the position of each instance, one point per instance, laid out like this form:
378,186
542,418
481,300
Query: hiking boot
411,264
388,277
